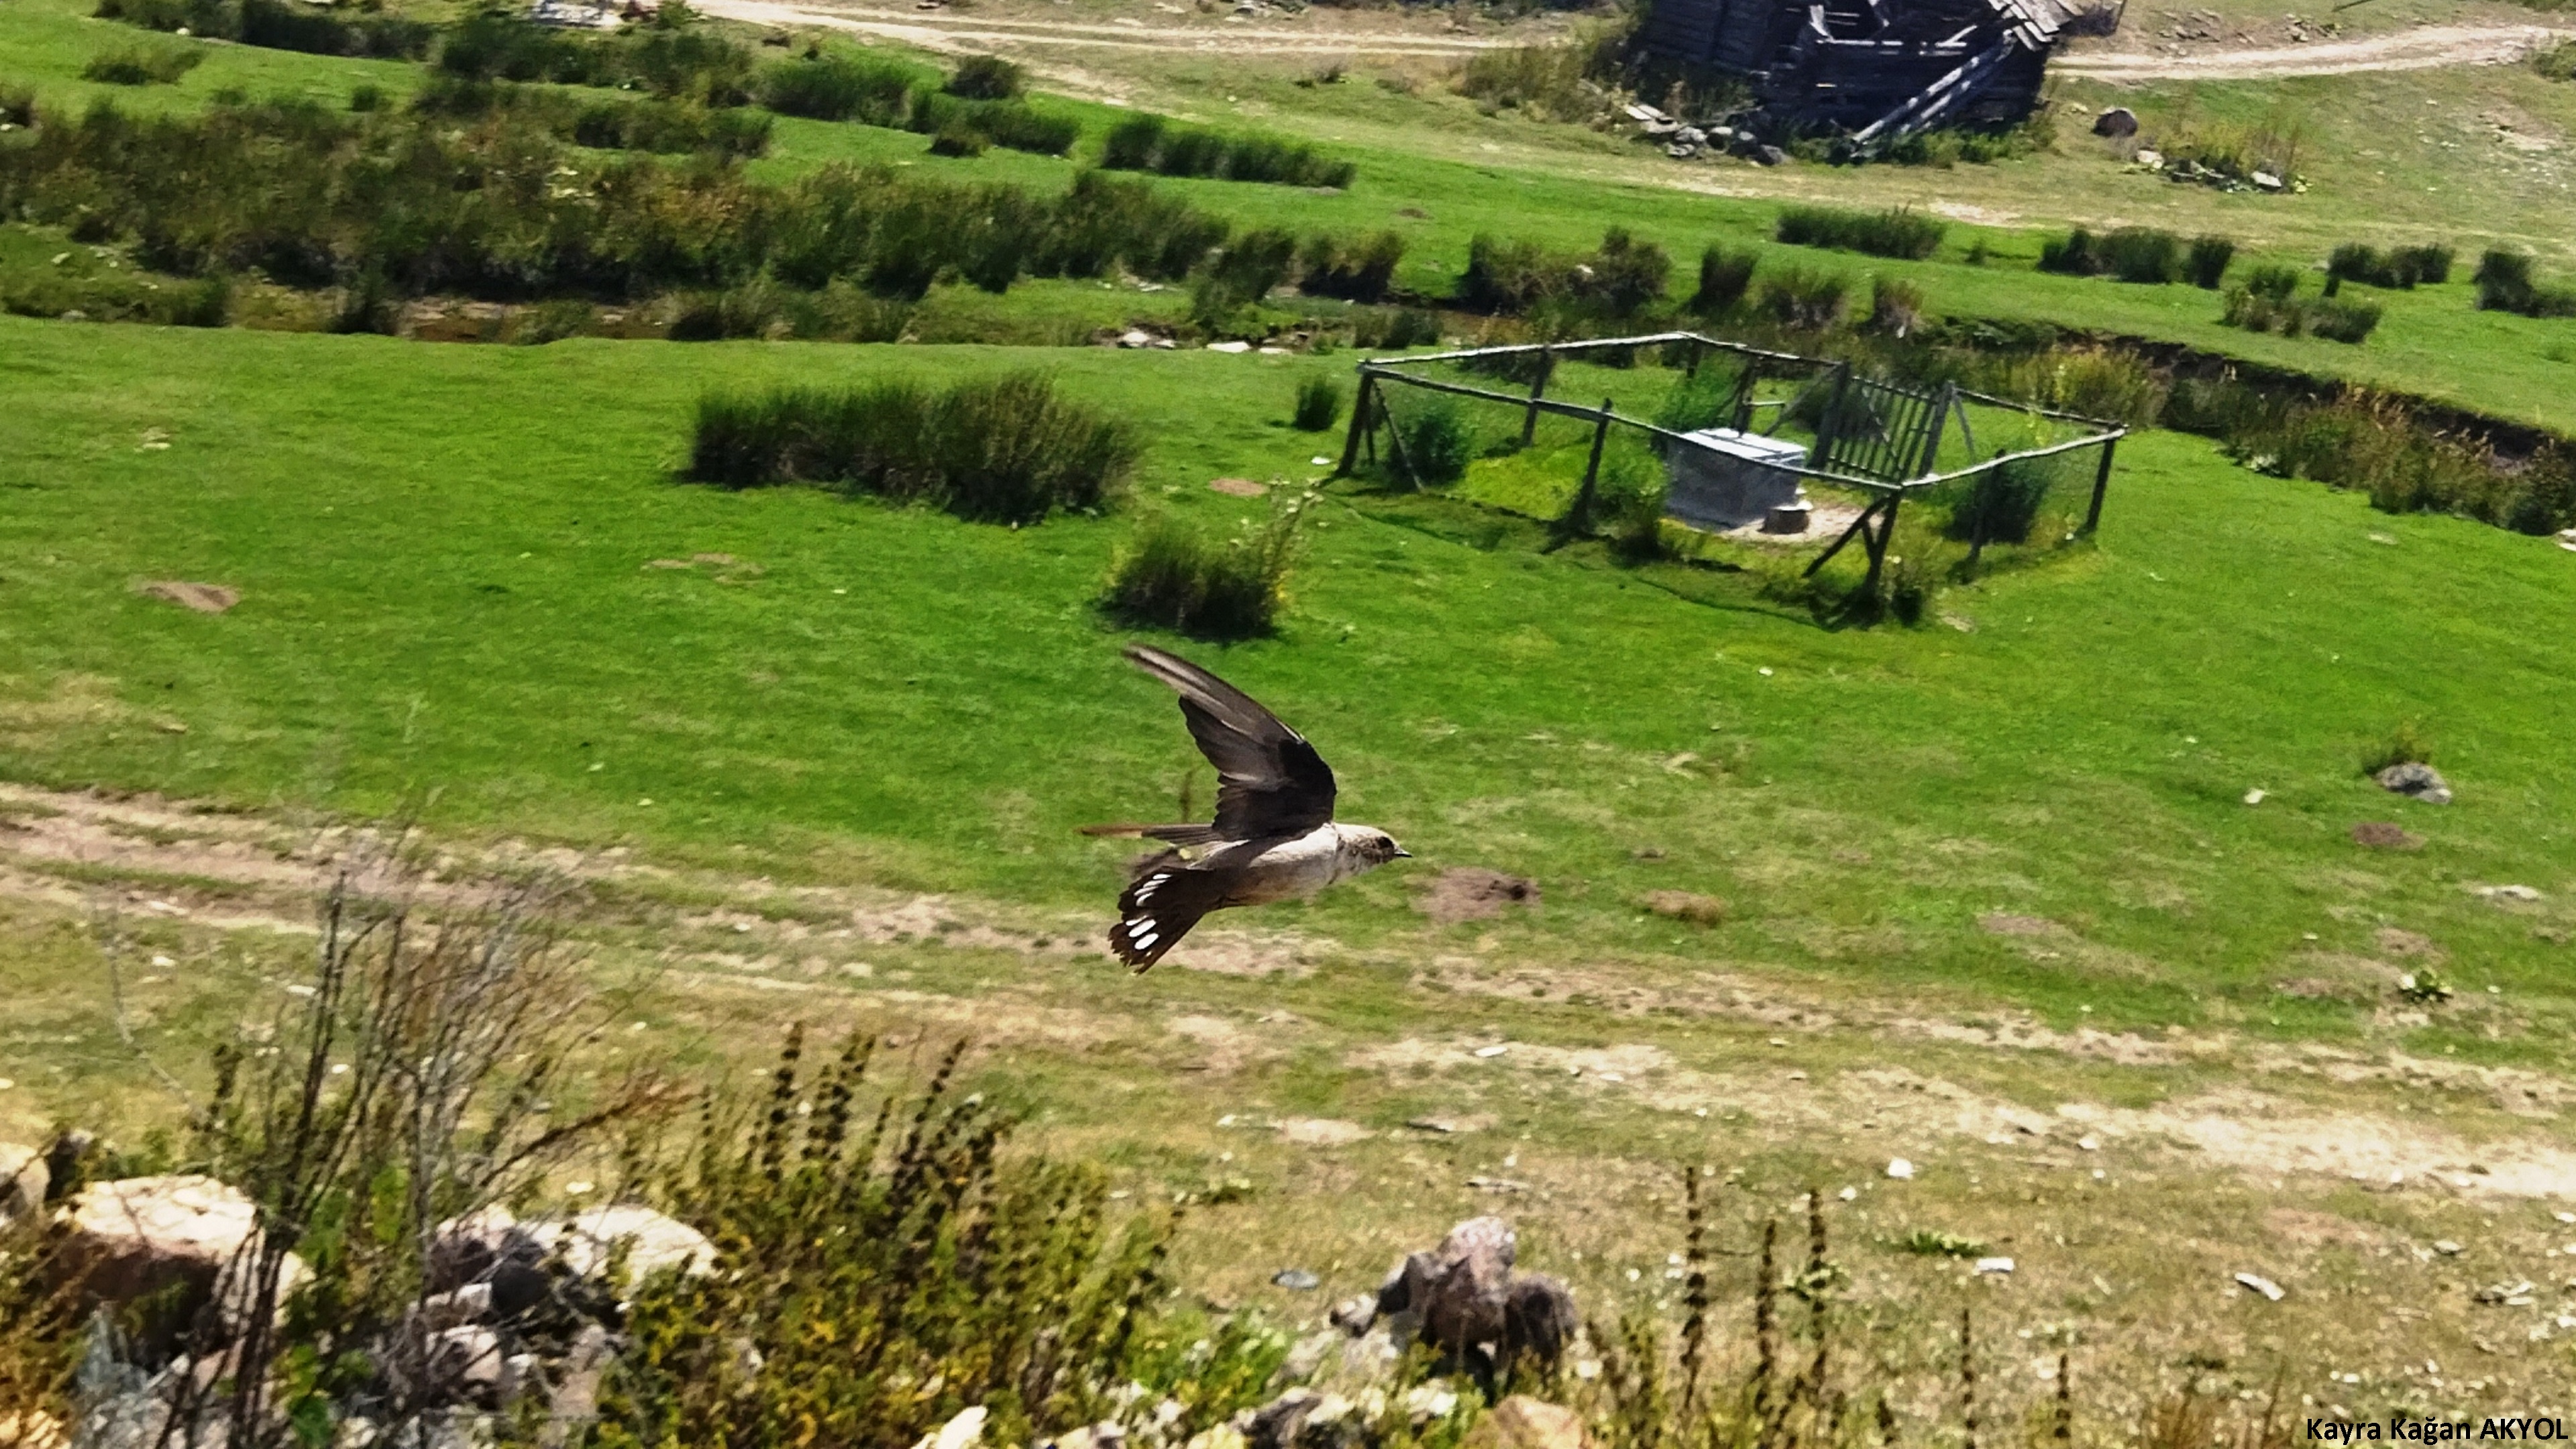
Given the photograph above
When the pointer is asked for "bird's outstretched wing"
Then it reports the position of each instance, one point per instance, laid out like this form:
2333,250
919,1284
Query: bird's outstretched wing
1269,780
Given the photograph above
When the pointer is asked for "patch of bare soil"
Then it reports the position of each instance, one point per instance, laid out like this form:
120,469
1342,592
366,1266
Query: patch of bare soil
2385,835
2003,923
1473,893
1238,487
203,598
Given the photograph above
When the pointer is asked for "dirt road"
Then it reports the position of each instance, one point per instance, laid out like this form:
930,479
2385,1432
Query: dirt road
2422,48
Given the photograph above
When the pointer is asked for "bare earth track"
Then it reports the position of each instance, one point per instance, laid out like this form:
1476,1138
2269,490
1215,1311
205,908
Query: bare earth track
2422,48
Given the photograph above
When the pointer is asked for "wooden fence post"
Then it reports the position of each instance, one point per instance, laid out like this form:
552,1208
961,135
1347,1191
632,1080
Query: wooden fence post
1538,389
2101,484
1940,415
1578,519
1359,424
1877,545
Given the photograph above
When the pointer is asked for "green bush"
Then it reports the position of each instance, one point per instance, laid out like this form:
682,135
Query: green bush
1012,124
2557,62
2207,263
988,78
1241,274
2506,283
958,139
1154,143
365,97
671,57
2403,267
1357,271
1544,81
1899,232
1724,276
1319,404
1392,329
1895,306
143,65
2272,281
1508,278
2130,254
2406,744
17,106
1007,449
836,88
1803,300
1173,576
1701,399
2326,317
280,25
1437,445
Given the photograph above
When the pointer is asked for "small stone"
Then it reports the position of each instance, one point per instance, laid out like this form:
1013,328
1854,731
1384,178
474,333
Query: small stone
2267,181
1994,1265
1491,1051
1900,1169
2254,796
2511,893
1296,1280
1770,156
2152,160
2261,1284
1229,347
2448,1249
1849,1194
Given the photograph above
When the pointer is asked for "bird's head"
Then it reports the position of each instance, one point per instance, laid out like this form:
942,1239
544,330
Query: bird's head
1374,847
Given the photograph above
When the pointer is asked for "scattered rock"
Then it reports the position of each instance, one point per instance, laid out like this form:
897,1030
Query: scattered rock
2522,893
179,1241
23,1180
465,1363
1464,1299
2254,796
1647,113
2385,835
2117,121
1521,1422
1323,1132
1770,155
2447,1248
586,1242
489,1250
1689,906
2267,181
1229,347
1994,1265
2417,781
1900,1169
2260,1284
204,598
32,1429
2508,1295
1296,1280
1497,1184
1237,487
1476,1122
1473,893
963,1432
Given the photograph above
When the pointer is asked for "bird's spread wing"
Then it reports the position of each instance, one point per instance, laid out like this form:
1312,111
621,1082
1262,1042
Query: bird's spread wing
1269,780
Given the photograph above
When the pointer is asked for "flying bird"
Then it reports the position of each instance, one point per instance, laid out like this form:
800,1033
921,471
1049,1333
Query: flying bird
1273,836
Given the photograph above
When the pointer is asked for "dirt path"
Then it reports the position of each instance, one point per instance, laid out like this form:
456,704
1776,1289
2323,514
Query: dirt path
954,33
2425,48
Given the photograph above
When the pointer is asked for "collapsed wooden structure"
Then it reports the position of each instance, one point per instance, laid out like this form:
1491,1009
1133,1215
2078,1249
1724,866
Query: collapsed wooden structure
1874,69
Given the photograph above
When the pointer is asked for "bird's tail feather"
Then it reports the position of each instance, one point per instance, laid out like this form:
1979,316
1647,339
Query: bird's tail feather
1168,834
1158,910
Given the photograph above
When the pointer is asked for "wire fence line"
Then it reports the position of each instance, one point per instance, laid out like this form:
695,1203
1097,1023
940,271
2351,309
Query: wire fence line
1798,454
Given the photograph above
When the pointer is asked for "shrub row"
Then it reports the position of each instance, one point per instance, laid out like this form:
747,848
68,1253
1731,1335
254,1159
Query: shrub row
620,125
669,58
836,88
1621,279
2291,316
1152,143
2403,267
316,199
1008,123
1003,450
2506,284
1898,232
143,65
280,25
1361,270
2140,254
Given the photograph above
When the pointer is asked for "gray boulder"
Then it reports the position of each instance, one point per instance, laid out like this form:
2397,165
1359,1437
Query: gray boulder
23,1179
1465,1300
2416,781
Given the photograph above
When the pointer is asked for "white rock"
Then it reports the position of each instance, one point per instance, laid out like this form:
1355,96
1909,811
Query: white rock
1900,1169
145,1236
1491,1051
23,1180
1849,1194
2261,1284
1994,1265
962,1432
1229,347
588,1240
2254,797
2089,1144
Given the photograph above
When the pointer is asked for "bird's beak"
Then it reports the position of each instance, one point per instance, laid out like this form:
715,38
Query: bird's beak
1403,854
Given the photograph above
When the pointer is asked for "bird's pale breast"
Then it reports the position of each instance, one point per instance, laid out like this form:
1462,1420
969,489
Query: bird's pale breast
1293,867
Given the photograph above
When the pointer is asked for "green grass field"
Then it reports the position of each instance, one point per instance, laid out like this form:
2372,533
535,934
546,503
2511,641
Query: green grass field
1995,898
